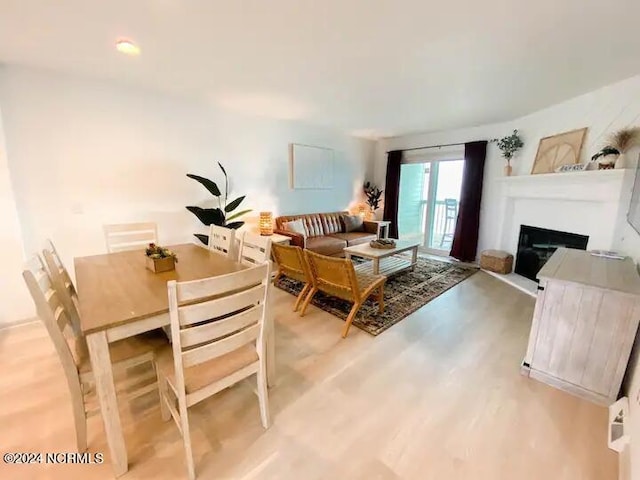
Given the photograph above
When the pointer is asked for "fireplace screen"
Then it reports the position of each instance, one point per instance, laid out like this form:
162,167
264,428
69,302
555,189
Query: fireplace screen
536,245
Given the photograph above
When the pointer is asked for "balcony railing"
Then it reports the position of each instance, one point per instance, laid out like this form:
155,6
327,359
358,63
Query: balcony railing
442,228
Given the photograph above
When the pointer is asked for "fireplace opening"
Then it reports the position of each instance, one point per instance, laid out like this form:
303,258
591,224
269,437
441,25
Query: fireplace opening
536,245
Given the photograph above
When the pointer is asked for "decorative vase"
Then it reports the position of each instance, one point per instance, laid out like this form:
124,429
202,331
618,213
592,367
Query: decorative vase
621,161
159,265
607,162
508,169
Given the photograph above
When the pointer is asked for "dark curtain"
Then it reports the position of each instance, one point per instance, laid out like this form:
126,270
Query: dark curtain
392,191
465,239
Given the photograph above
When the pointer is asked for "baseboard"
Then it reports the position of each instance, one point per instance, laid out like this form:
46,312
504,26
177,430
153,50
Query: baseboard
17,323
624,464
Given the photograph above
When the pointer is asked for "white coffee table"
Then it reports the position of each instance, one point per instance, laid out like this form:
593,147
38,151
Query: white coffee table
384,261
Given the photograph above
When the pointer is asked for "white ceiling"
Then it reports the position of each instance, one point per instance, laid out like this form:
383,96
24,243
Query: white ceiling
370,67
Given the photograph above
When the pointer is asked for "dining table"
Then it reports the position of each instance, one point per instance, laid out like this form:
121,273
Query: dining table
118,298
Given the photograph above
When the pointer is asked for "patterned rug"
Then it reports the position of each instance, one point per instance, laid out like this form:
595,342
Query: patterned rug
403,294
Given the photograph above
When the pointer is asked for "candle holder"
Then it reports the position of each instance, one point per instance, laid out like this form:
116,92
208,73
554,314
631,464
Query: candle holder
266,223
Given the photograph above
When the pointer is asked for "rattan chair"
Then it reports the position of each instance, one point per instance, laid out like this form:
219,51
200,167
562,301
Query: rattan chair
337,277
293,264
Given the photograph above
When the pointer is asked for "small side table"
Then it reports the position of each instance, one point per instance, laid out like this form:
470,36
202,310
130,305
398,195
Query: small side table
281,239
383,228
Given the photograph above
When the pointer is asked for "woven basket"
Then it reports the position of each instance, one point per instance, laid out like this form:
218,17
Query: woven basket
381,246
496,261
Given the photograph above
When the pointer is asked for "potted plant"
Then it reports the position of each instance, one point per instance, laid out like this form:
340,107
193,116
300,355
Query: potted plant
373,195
160,259
509,146
223,215
617,144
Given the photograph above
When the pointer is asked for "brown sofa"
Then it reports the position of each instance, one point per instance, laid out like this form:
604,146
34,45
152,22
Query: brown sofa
325,232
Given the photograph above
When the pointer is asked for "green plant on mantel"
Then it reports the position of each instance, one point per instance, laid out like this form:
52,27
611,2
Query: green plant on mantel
509,145
223,215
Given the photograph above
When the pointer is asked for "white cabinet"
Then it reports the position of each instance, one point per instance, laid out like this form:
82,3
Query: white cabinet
584,324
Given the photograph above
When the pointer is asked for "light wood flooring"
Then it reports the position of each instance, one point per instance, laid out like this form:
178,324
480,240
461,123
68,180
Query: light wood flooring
438,396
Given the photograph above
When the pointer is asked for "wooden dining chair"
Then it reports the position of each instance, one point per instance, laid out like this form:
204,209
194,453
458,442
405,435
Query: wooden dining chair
217,325
292,263
254,249
62,284
130,236
337,277
71,348
222,240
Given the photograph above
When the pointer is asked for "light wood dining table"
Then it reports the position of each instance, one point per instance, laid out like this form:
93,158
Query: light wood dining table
118,298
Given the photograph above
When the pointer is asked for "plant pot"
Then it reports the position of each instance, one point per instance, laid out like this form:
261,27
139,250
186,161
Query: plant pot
508,170
607,162
159,265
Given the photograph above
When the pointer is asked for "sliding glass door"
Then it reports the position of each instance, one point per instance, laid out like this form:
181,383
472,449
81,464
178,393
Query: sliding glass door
429,202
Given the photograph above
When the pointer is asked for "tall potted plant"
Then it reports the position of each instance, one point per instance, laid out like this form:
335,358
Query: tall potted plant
509,146
222,215
373,195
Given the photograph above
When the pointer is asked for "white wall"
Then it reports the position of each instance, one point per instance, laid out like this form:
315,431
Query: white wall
14,297
604,110
83,153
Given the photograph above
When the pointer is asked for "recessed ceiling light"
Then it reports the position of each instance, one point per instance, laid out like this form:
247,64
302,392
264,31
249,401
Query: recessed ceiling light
127,47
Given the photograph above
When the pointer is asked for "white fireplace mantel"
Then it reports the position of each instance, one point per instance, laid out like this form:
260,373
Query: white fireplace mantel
588,203
587,186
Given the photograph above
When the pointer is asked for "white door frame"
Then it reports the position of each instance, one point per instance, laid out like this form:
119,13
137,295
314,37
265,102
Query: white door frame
434,160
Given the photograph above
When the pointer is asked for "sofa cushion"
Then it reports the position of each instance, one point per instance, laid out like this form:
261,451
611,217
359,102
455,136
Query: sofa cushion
315,224
332,223
326,245
352,223
295,226
355,238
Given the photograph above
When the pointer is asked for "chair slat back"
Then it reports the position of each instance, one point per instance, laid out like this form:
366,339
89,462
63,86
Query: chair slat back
52,313
333,275
254,249
62,284
130,236
291,262
221,240
215,316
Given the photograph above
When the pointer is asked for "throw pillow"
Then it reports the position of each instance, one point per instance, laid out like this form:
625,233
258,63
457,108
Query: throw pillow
295,226
353,223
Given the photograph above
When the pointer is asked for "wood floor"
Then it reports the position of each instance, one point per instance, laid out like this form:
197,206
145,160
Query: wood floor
438,396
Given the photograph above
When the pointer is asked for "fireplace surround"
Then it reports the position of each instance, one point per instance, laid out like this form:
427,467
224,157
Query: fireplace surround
536,245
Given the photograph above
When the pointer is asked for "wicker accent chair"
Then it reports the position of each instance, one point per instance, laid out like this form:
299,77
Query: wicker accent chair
337,277
292,263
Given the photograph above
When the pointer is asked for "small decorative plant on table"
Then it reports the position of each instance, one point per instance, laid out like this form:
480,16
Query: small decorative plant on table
509,146
373,195
617,144
160,259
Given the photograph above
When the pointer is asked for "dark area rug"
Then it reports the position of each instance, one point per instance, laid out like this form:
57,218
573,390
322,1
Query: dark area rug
403,294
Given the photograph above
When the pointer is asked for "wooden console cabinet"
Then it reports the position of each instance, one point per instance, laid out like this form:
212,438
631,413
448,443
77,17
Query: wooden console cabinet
584,324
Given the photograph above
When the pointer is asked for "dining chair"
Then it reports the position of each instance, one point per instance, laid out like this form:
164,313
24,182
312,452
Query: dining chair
337,277
130,236
254,249
222,240
292,263
71,348
217,325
